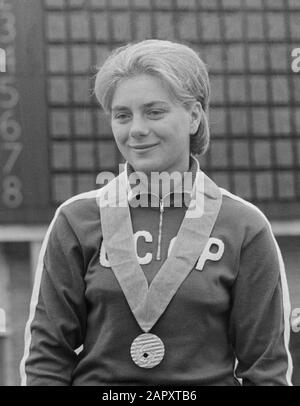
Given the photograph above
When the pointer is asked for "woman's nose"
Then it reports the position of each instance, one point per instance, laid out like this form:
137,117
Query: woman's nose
138,127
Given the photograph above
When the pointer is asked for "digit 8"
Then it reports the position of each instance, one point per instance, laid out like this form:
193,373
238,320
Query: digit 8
12,196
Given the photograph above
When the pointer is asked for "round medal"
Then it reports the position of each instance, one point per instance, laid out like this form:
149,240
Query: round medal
147,350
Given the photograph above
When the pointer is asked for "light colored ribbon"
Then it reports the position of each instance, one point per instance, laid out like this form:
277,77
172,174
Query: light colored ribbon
148,303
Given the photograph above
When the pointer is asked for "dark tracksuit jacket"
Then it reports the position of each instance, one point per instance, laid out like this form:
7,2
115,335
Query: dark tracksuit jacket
228,323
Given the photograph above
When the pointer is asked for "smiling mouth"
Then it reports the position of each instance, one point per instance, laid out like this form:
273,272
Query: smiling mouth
143,147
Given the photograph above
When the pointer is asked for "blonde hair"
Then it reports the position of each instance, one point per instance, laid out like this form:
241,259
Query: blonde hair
176,64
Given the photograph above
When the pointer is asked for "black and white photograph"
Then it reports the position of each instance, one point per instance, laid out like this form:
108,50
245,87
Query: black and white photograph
149,195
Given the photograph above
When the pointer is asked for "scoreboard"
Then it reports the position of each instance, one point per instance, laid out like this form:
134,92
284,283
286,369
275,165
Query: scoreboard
55,139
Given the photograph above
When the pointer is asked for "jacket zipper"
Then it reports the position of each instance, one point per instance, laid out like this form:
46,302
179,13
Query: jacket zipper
158,254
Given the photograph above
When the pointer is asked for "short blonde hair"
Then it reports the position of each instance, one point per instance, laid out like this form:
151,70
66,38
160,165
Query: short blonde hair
179,66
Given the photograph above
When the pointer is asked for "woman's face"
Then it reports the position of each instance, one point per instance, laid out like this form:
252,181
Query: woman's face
151,130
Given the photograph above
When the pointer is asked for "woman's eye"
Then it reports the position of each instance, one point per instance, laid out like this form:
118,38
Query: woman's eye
156,113
121,117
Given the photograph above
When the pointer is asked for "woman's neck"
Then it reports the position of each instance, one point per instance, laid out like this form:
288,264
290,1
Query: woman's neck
165,182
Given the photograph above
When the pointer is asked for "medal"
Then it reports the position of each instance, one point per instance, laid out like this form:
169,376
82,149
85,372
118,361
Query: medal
147,350
148,303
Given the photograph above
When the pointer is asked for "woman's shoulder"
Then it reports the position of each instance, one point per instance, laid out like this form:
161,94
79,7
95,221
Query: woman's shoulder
80,211
80,203
241,213
77,220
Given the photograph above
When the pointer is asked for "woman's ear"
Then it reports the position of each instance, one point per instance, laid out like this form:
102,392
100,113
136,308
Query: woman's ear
196,117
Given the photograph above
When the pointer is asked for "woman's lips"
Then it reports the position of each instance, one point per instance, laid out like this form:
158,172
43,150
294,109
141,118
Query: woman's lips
142,148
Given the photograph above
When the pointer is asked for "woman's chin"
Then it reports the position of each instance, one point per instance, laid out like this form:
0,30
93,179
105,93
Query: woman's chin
146,166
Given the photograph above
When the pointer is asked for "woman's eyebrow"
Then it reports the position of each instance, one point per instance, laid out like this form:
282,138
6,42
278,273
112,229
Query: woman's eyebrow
117,108
155,102
147,105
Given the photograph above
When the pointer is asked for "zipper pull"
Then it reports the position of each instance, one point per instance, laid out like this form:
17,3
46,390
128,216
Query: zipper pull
161,205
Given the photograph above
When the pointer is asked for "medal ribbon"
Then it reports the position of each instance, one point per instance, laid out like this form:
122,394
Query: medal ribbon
149,303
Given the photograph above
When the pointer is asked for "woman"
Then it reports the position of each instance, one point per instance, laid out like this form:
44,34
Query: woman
159,281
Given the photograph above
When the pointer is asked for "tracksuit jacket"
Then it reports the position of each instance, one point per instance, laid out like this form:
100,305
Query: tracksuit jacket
227,324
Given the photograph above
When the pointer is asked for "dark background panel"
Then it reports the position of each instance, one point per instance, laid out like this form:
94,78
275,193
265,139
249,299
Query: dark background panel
66,139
